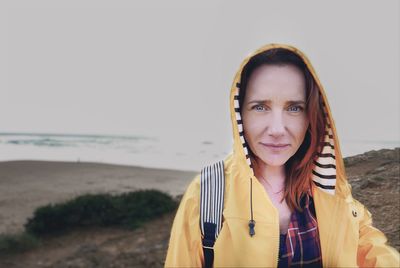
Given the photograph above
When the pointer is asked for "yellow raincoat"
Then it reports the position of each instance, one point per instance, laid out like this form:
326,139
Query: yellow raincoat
347,236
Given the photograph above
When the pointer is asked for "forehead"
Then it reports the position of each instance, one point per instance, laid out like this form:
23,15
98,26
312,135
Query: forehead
275,82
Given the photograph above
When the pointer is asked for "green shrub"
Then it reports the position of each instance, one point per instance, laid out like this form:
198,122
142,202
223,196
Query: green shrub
14,243
125,210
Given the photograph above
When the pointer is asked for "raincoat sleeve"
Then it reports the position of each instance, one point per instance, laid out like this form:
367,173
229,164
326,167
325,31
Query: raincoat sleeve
185,247
373,250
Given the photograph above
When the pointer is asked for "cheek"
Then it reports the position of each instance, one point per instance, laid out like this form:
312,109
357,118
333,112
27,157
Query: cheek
251,126
300,129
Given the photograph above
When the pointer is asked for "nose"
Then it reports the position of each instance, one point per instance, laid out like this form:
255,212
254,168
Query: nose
276,126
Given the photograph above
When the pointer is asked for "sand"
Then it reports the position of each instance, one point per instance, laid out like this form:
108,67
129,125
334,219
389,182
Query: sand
27,185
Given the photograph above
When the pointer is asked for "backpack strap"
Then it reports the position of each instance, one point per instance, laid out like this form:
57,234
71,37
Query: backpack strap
212,186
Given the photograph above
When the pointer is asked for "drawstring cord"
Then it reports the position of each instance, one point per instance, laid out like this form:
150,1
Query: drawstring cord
252,223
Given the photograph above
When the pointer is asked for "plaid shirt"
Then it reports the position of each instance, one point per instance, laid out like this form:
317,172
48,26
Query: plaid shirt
300,246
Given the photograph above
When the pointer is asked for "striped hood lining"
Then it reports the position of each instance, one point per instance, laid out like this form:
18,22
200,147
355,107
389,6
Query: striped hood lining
325,174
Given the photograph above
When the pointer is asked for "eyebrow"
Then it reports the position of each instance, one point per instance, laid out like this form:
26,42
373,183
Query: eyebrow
269,101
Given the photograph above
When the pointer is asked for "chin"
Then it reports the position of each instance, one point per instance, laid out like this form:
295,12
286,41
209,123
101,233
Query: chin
274,160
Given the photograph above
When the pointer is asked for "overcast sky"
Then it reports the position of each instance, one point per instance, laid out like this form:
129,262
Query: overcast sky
166,68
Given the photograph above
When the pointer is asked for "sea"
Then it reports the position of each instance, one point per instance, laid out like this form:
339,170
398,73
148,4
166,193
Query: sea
145,151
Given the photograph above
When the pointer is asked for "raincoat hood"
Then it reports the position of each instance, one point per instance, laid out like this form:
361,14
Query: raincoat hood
329,172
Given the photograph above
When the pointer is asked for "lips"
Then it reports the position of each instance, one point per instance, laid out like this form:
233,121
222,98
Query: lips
276,145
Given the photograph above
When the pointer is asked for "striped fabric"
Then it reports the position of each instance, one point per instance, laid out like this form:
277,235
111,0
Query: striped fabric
212,183
300,246
324,173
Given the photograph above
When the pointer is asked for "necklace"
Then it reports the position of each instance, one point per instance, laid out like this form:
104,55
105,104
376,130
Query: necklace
262,177
256,163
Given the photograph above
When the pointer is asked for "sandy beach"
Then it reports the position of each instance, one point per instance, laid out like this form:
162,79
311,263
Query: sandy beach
27,185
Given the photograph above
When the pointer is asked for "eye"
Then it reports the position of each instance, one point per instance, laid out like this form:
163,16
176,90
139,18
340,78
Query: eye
297,106
258,107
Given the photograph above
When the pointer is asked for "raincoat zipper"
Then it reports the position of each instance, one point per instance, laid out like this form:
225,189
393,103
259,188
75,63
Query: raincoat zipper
251,206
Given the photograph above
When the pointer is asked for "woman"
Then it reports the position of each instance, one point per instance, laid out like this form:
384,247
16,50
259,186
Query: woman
286,201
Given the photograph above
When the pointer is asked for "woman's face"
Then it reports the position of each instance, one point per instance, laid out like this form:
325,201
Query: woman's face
274,112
